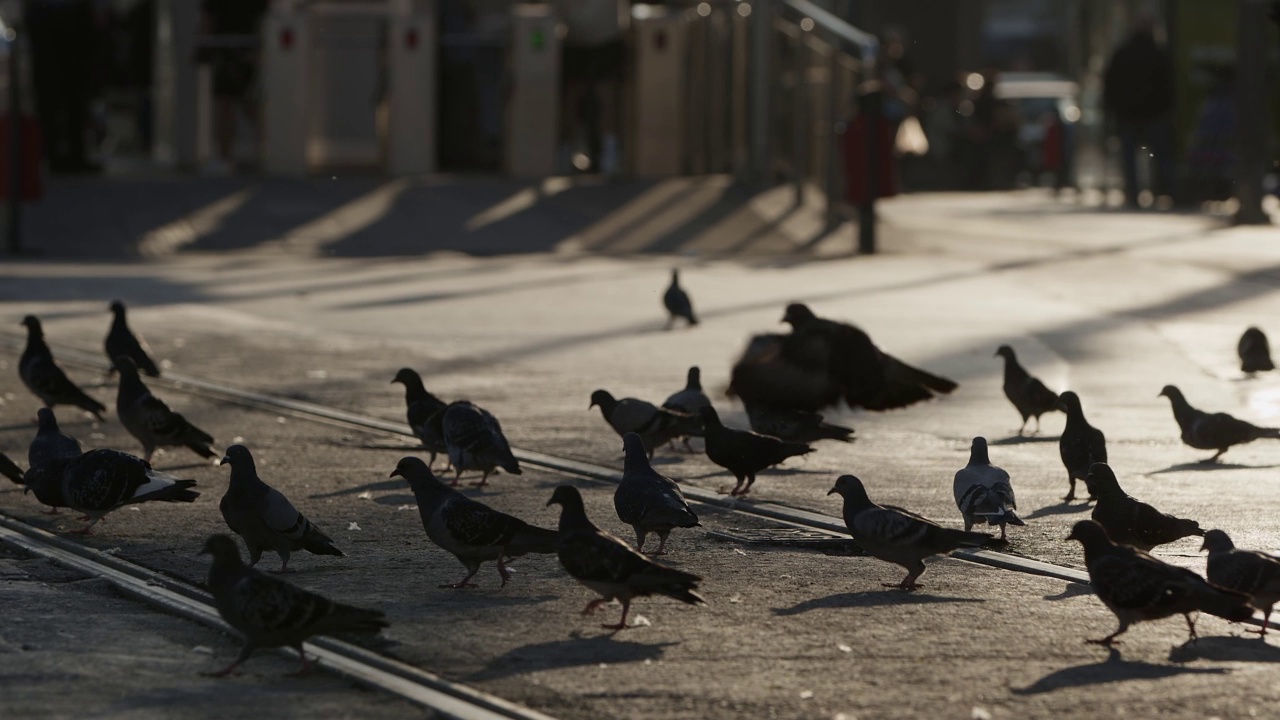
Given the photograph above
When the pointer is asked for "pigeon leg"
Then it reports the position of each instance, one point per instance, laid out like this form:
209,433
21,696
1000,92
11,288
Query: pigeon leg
1191,627
307,663
737,487
687,447
457,475
909,582
1023,427
662,544
284,568
751,480
502,569
622,623
1037,424
1071,494
1110,640
593,605
432,461
484,480
86,529
1215,456
670,321
640,536
464,584
1266,617
245,652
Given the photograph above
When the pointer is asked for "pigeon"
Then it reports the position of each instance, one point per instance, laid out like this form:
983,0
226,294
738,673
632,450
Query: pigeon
1254,352
121,342
677,302
647,501
1130,522
10,469
264,517
895,535
1216,431
44,378
101,481
1137,587
472,531
795,425
690,400
270,612
474,440
1029,396
656,426
50,444
745,453
1080,446
421,406
149,420
983,492
1253,573
823,362
607,566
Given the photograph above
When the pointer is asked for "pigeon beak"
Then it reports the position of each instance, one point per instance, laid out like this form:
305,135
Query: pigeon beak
593,404
225,460
832,491
395,473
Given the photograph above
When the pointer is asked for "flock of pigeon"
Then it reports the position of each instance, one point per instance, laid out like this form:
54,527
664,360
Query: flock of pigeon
783,381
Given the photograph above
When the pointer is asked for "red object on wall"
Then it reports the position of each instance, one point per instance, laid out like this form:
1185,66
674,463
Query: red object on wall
854,146
660,39
411,38
286,38
1053,147
31,178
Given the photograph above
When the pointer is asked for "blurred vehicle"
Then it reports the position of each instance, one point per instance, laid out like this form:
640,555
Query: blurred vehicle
1048,105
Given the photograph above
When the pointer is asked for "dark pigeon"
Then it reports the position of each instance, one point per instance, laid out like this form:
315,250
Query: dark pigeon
656,426
647,501
1254,352
101,481
474,441
677,302
1212,431
472,531
10,469
50,442
269,612
690,400
823,362
607,566
1245,571
149,420
795,425
264,517
1130,522
745,453
1080,446
983,491
420,407
1029,396
895,535
43,377
121,342
1137,587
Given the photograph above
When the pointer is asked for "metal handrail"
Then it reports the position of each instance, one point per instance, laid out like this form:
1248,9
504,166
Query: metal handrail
837,27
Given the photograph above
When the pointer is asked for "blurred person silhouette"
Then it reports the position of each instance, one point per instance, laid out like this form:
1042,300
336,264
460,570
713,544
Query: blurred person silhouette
229,24
593,63
1138,95
63,41
992,134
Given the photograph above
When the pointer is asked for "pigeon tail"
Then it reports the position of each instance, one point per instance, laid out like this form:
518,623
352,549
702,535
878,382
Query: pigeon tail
10,469
903,372
951,539
532,539
178,491
317,543
1223,603
348,619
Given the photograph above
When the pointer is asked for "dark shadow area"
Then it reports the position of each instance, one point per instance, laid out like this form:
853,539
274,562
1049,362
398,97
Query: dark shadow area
396,500
1226,648
870,598
1025,439
177,468
1072,590
575,651
1204,465
389,484
1060,509
1113,669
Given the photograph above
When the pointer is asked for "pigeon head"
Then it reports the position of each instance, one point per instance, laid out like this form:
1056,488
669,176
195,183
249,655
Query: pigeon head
675,276
406,377
1005,352
694,381
237,456
117,308
1217,541
567,497
1171,392
48,421
850,488
126,366
709,416
1090,534
797,314
410,467
1102,480
1069,402
222,548
634,448
604,399
978,452
33,326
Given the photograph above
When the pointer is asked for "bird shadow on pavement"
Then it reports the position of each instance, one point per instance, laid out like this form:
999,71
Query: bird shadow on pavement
575,651
1024,439
1063,508
1226,648
1113,669
1202,465
186,466
392,484
1073,589
869,598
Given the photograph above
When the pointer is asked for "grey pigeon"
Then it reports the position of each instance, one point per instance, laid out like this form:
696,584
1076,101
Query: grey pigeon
1029,396
270,612
895,535
1212,431
101,481
983,491
794,425
10,469
607,566
1254,352
43,377
50,442
121,342
1080,446
744,453
264,517
823,362
1253,573
1137,587
472,531
677,302
149,420
420,406
647,501
1129,521
474,440
656,426
690,400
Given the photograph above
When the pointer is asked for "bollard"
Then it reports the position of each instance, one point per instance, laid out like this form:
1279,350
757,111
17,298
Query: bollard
15,145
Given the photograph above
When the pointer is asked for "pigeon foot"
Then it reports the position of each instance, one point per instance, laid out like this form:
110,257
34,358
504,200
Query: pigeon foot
593,606
462,585
619,626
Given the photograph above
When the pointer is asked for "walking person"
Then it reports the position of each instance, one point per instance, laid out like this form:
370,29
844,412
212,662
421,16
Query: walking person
593,62
1138,95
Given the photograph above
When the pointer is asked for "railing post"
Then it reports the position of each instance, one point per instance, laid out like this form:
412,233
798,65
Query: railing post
799,115
15,144
870,106
830,172
761,89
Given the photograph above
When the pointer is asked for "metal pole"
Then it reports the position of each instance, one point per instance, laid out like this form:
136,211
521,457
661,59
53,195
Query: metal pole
15,145
761,89
799,115
872,111
1252,99
832,147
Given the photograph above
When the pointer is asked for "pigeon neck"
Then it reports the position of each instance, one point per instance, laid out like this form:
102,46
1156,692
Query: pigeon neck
978,455
427,489
636,461
1011,367
1181,408
118,321
414,389
35,340
244,475
131,385
1093,548
693,383
606,407
224,571
856,499
1075,416
573,516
